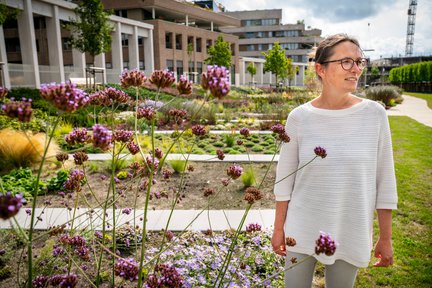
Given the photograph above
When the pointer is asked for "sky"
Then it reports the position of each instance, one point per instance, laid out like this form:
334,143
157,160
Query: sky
379,25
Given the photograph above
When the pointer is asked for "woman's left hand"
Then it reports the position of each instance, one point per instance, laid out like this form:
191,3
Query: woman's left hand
384,251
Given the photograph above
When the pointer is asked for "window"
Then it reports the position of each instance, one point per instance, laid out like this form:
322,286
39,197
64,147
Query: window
291,33
124,40
289,46
170,65
168,40
190,47
65,44
250,47
198,44
140,40
267,22
260,35
209,43
178,40
121,13
179,64
13,45
270,34
108,65
126,65
249,35
141,65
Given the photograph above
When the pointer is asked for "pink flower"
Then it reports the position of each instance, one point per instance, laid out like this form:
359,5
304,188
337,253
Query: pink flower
10,205
184,86
325,244
216,80
64,96
234,171
19,109
162,78
102,137
132,78
321,152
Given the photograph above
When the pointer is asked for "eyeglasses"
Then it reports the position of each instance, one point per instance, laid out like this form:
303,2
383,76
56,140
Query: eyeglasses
347,63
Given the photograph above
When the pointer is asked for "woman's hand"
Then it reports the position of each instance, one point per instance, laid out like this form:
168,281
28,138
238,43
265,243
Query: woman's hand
384,251
278,242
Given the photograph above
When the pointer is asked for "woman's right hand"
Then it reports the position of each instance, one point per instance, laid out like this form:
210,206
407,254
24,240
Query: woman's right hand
278,242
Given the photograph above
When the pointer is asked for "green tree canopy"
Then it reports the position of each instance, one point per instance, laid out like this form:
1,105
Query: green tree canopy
251,69
91,32
375,74
220,53
7,13
276,62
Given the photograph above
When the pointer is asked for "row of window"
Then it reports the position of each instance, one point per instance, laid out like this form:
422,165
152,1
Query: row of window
260,22
265,47
193,44
270,34
179,67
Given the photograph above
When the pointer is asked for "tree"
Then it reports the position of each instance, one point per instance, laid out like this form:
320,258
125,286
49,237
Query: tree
7,13
276,62
291,71
375,74
251,69
220,53
91,32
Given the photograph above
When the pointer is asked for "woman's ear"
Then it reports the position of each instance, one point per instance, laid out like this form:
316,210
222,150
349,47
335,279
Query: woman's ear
320,69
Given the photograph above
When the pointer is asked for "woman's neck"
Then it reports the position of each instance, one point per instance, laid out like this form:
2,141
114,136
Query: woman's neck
335,101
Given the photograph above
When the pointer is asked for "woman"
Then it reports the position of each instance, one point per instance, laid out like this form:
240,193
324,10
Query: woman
338,194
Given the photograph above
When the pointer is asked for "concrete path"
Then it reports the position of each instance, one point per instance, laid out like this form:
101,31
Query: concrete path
216,220
414,108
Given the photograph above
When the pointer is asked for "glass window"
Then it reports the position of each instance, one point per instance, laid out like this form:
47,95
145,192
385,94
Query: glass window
179,64
198,44
170,65
168,40
179,42
250,35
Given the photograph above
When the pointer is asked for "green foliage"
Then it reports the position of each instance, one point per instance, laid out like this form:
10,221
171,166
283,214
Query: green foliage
230,139
375,74
22,181
248,177
417,72
117,165
251,69
91,32
45,263
122,175
178,166
220,53
7,13
386,94
56,183
276,62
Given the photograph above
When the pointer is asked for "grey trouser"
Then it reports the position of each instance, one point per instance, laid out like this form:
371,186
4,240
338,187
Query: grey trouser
338,275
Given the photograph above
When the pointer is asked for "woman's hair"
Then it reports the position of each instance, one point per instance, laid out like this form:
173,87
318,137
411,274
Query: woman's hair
325,48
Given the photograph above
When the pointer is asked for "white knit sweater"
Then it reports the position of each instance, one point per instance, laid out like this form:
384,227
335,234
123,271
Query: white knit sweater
337,194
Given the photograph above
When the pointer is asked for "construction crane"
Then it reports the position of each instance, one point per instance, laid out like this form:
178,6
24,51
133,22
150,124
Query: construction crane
411,27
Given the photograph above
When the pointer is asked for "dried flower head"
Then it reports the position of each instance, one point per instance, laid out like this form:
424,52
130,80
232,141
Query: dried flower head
75,180
177,114
290,242
293,260
3,92
147,112
162,78
123,136
169,235
321,152
102,137
184,86
158,153
62,157
10,205
190,168
198,130
19,109
116,95
239,142
77,136
253,227
64,96
132,78
325,244
252,194
208,192
220,154
165,276
166,173
80,157
225,181
245,132
234,171
133,147
100,99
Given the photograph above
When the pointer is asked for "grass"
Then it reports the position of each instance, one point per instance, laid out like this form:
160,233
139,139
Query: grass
412,222
425,96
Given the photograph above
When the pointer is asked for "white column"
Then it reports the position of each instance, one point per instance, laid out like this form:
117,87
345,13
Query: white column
153,13
55,44
242,67
260,72
117,50
3,58
187,20
100,62
211,26
28,44
148,53
133,49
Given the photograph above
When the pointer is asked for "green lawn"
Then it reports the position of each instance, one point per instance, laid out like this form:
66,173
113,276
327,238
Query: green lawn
425,96
412,233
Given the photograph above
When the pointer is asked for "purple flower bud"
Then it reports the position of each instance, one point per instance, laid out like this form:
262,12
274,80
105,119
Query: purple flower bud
64,96
245,132
18,109
132,78
198,130
162,78
325,244
321,152
102,137
10,205
234,171
220,154
184,86
133,148
127,269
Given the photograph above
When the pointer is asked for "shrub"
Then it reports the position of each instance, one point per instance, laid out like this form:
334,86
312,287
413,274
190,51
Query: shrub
248,177
119,164
21,181
229,140
23,149
257,148
385,94
56,183
178,166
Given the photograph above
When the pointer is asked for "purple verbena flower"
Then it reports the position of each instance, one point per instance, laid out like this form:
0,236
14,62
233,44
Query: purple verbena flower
127,269
198,130
127,211
80,157
132,78
10,205
253,227
325,244
19,109
102,137
216,80
77,136
148,113
184,86
123,136
220,154
321,152
162,78
165,276
245,132
64,96
3,92
234,171
116,95
74,182
40,282
133,147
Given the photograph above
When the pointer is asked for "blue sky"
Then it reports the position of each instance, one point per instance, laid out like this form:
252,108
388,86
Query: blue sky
378,24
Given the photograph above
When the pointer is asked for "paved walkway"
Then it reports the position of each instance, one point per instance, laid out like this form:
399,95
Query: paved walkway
412,107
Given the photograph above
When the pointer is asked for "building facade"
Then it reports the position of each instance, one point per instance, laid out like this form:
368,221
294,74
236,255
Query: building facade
34,50
183,32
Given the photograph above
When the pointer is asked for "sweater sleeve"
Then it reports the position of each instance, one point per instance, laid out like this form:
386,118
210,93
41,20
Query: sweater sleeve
288,162
386,197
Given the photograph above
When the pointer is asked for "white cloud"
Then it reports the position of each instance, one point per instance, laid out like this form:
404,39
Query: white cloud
386,32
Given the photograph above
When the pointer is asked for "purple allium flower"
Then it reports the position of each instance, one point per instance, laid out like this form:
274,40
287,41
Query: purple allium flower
74,181
102,137
40,282
134,78
253,227
234,171
325,244
123,136
64,96
220,154
127,269
216,80
80,157
77,136
184,86
62,157
19,109
162,78
198,130
10,205
321,152
116,95
148,113
3,92
158,153
127,211
252,194
245,132
133,148
165,276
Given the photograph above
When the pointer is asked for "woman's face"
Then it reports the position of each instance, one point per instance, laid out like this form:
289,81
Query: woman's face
334,76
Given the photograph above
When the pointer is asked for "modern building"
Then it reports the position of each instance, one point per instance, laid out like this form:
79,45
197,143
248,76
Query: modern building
183,33
34,50
258,32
